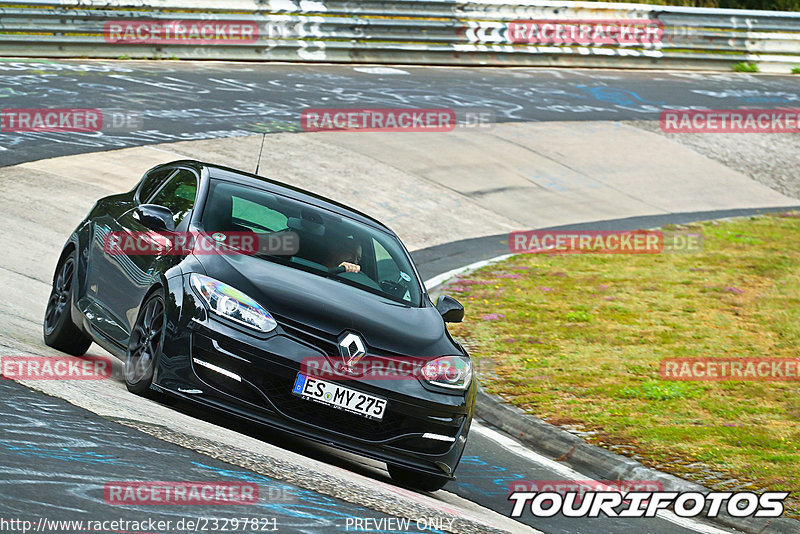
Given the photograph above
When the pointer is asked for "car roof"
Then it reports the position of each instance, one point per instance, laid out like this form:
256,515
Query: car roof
220,172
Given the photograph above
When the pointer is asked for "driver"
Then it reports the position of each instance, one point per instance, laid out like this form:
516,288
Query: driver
347,255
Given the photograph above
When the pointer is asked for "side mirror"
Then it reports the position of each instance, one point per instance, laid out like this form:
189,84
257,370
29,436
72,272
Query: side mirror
154,217
451,310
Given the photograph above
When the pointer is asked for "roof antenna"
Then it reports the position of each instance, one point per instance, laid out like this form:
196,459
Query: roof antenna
258,163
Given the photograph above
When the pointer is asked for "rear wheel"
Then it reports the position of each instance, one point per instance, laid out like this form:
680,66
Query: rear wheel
415,479
58,329
144,346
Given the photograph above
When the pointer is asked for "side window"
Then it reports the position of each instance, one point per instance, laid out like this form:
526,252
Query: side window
178,195
391,279
257,217
152,182
387,268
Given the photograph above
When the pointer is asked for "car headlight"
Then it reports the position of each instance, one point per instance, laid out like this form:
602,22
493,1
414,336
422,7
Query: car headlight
453,372
227,301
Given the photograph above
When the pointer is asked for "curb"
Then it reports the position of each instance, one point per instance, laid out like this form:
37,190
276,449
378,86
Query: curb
581,456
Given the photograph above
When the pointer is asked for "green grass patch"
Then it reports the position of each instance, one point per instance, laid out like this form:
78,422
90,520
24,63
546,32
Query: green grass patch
578,339
659,390
743,66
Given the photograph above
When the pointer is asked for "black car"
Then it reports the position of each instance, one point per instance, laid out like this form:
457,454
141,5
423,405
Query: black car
275,334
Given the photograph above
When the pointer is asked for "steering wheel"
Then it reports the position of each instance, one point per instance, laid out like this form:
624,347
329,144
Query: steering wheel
337,270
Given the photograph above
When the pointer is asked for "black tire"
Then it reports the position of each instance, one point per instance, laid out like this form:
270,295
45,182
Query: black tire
145,344
58,329
415,479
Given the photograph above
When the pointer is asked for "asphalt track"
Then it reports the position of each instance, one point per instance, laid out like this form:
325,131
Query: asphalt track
173,101
182,101
58,458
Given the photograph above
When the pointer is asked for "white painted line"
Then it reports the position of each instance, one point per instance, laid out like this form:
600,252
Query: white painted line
570,474
380,70
519,449
439,279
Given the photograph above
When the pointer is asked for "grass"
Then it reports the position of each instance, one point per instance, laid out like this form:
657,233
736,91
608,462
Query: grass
577,340
795,70
744,67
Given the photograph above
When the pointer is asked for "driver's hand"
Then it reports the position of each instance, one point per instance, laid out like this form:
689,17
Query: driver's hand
350,267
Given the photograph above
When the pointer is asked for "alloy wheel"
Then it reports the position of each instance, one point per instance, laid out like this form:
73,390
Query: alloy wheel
145,343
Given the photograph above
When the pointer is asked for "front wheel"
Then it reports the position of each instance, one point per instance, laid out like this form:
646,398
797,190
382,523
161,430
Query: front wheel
415,479
144,346
58,329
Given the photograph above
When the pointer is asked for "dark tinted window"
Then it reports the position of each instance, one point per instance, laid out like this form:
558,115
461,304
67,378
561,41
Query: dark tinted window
152,182
326,240
178,195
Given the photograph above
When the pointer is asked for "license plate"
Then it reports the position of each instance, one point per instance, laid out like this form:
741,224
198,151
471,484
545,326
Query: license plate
339,397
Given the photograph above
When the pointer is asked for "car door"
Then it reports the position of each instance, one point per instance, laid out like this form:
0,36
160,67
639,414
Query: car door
105,276
178,194
129,276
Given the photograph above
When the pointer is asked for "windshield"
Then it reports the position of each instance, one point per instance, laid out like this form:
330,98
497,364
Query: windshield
329,245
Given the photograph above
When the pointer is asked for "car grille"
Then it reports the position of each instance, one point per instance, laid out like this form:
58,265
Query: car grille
275,383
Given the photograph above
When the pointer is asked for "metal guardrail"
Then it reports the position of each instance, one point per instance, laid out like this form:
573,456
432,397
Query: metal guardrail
448,32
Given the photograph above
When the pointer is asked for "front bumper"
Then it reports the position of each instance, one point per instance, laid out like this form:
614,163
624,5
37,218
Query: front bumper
257,381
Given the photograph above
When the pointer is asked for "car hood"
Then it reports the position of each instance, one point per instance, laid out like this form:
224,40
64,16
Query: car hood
333,307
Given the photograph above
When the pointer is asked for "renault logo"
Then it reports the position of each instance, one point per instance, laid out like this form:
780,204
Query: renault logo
351,347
